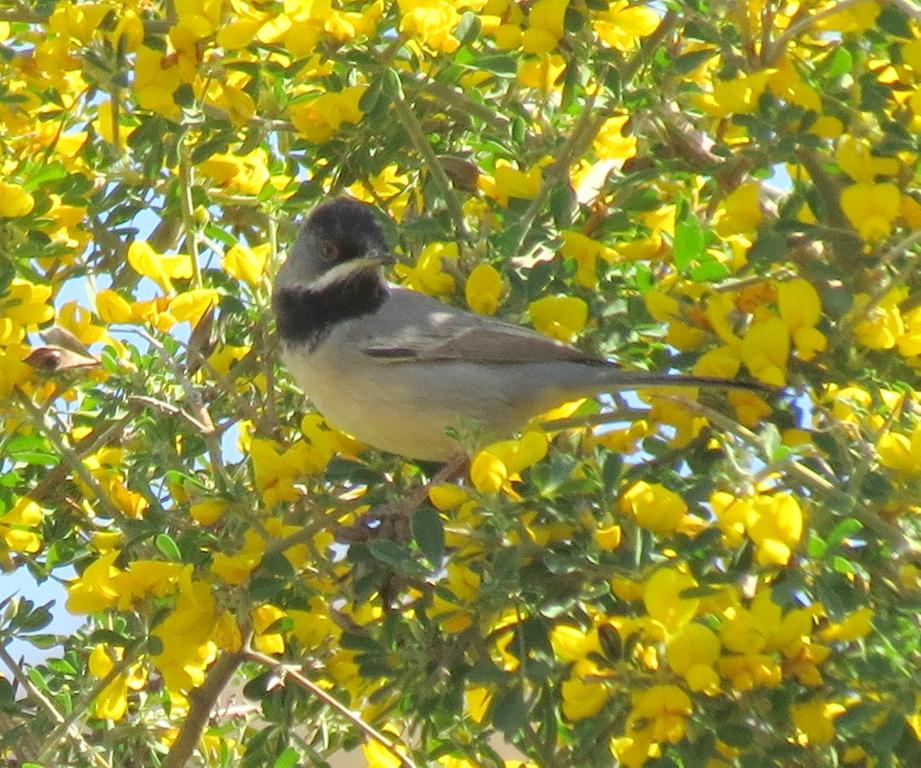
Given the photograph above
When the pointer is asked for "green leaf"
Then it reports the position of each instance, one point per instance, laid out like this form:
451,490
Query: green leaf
44,173
844,530
498,64
396,556
468,29
392,85
709,271
688,247
688,62
168,548
509,711
429,534
31,449
840,63
287,759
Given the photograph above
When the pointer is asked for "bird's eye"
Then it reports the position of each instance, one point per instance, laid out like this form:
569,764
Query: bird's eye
328,251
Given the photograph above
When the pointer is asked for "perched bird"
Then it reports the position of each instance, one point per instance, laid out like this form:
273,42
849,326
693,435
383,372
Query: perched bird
398,369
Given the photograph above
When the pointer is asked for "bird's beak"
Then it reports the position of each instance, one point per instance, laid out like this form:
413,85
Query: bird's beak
379,259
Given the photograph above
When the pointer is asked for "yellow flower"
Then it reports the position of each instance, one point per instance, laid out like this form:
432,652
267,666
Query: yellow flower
159,267
264,616
871,208
815,719
571,643
739,96
854,627
18,526
560,317
610,142
545,26
94,590
856,159
510,182
23,308
582,697
112,701
156,78
191,305
542,73
622,24
243,174
750,670
320,118
428,275
663,600
432,22
186,636
484,289
498,465
856,19
692,653
775,524
585,252
15,201
654,507
786,84
740,211
235,569
765,350
477,699
312,628
661,711
608,538
207,512
801,309
112,308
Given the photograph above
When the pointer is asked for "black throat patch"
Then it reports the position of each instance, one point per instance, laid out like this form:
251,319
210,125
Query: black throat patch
305,316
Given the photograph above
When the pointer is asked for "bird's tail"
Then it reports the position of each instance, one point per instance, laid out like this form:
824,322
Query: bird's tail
610,379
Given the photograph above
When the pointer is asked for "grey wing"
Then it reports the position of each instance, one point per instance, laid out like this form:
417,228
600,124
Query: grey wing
415,327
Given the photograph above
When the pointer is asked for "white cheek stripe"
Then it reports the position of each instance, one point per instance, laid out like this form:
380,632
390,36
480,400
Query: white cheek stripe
340,272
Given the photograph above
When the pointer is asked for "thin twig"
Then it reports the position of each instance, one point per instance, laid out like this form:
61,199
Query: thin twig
420,141
202,701
188,211
44,703
82,704
198,408
368,730
775,50
585,130
447,95
890,533
69,456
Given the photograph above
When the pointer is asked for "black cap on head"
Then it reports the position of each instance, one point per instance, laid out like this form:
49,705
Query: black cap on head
350,225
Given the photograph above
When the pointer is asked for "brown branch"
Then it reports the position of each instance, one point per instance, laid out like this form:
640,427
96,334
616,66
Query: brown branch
368,730
202,701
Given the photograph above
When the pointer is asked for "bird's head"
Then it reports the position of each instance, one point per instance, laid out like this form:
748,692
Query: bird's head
340,239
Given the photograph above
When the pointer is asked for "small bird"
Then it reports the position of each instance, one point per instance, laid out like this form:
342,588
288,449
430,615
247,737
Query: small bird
398,369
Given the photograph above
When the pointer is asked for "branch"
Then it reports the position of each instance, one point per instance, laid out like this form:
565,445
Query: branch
45,704
70,458
886,531
368,730
418,138
797,28
586,128
202,701
83,703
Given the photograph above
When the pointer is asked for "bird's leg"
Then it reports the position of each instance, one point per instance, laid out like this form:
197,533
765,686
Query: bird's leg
393,520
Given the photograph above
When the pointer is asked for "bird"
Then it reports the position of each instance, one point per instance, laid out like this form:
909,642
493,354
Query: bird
402,371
